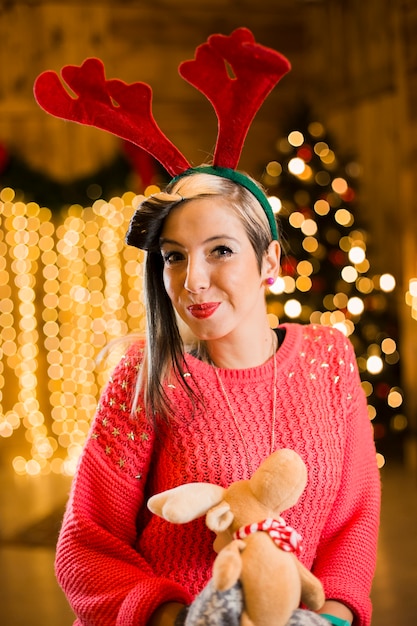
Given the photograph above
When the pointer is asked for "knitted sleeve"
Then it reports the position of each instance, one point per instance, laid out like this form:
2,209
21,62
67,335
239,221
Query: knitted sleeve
346,555
106,580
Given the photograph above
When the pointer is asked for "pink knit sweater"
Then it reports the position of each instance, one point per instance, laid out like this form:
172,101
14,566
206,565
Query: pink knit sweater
117,562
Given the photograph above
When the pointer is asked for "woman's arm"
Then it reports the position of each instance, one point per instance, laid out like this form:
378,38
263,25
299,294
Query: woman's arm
346,555
107,582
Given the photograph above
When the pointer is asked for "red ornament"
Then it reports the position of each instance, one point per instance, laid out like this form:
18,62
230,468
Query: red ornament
289,266
305,153
4,158
349,195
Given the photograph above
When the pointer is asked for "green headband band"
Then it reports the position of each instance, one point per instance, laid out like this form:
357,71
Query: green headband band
244,181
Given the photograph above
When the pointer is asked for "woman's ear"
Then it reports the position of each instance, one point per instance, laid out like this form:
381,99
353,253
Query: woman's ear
271,261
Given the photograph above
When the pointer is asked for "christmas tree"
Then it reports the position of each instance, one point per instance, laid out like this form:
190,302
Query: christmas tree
326,275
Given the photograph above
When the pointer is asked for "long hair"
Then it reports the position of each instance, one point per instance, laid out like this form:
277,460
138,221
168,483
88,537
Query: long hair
165,344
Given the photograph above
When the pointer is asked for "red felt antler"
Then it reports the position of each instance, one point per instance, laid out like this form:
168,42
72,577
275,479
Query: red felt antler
112,105
236,100
125,110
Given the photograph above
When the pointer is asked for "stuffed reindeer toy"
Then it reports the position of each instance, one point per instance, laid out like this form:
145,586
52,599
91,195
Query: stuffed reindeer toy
256,549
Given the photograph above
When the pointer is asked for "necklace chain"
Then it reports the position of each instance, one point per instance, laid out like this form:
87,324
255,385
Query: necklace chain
232,413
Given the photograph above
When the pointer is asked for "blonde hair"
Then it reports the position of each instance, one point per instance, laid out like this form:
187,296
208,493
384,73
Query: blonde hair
164,354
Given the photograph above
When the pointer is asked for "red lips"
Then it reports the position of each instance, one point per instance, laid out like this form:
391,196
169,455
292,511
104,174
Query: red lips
204,310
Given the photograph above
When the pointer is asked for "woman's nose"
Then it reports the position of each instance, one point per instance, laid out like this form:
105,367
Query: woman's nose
197,277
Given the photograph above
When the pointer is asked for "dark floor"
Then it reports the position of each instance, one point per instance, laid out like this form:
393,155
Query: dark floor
29,517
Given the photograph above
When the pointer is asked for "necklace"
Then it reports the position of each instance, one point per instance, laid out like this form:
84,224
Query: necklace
235,421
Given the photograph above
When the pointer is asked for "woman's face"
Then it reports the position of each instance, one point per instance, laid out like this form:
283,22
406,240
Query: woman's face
210,271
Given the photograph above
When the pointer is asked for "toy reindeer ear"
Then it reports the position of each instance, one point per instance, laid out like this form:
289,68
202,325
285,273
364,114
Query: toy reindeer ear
219,517
186,502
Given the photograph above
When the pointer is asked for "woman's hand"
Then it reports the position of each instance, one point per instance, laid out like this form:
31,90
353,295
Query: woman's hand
166,614
332,607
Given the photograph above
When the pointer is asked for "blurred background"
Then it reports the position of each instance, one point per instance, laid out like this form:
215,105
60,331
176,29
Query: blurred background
335,145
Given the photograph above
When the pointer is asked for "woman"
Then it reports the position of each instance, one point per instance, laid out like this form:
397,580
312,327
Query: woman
209,394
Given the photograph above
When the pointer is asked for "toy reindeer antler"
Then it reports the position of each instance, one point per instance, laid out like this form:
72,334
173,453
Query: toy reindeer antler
125,110
236,100
111,105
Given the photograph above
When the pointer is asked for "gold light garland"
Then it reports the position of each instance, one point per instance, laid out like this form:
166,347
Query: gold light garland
67,291
411,297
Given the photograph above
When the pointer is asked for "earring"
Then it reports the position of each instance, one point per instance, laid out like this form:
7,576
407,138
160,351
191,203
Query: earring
270,281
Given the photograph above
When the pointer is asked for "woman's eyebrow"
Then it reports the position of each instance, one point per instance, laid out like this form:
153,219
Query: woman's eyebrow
167,240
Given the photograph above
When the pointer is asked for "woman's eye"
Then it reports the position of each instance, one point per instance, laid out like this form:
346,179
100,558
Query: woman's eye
222,252
172,257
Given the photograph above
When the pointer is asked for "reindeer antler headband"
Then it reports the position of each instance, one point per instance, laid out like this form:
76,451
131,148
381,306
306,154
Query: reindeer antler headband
126,109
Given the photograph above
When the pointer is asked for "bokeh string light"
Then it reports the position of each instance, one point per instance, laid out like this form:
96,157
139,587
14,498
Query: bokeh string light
326,275
68,290
411,297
